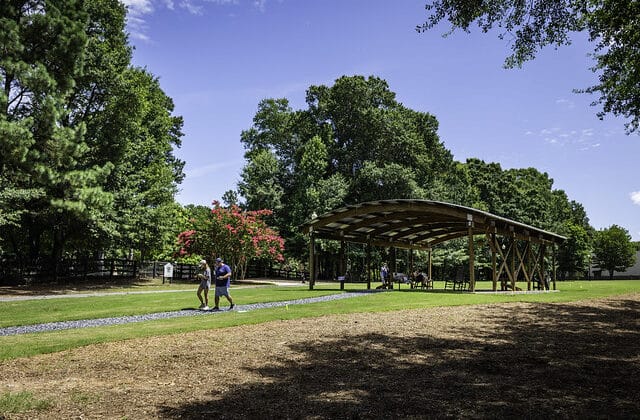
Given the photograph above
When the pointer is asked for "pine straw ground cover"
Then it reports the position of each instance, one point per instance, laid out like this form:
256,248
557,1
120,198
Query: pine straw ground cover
566,360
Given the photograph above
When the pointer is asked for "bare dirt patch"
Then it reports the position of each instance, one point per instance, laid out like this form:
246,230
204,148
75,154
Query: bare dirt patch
569,360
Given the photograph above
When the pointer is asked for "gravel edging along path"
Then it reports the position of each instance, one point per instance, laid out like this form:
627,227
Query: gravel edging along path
101,322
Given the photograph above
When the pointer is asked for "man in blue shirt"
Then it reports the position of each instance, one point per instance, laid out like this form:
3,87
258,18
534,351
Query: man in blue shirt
223,277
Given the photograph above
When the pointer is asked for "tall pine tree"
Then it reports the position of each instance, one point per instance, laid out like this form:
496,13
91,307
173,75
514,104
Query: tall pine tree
81,132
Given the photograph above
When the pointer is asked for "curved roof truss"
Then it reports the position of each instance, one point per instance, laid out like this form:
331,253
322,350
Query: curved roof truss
416,224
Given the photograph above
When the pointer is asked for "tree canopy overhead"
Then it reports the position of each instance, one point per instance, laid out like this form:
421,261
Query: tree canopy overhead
612,26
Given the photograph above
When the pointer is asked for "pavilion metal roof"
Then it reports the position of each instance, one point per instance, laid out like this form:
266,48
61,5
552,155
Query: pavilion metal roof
417,224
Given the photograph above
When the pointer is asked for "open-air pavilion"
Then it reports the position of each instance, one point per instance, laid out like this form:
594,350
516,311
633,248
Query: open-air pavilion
517,250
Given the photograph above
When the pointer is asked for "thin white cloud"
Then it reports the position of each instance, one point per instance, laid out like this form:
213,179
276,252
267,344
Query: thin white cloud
590,146
201,171
635,197
588,132
260,5
584,139
190,7
136,23
138,10
565,103
139,7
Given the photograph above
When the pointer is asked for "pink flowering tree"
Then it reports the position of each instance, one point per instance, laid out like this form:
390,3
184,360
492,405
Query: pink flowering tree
236,236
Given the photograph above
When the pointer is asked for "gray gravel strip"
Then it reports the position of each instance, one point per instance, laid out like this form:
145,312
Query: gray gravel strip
101,322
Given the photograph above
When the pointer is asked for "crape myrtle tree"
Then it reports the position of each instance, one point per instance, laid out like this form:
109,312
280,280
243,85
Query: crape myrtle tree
613,249
237,236
612,26
86,141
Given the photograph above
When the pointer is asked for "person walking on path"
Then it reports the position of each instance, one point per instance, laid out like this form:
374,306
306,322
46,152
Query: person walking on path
205,285
223,277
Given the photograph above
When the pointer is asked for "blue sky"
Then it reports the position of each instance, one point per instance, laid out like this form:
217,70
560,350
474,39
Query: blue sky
218,58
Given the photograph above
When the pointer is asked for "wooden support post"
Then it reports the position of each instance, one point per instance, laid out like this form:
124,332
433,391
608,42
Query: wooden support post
472,269
411,263
522,258
526,263
514,274
543,271
341,262
504,265
430,265
312,258
553,262
494,261
393,261
368,265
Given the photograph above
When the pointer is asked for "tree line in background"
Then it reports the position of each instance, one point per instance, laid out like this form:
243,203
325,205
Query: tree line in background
354,142
87,165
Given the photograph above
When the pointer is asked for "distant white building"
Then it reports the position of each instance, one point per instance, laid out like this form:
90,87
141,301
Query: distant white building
631,273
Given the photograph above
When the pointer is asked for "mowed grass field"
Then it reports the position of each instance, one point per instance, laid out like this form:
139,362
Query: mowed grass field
123,302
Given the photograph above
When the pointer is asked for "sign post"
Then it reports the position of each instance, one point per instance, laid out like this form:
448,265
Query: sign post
168,272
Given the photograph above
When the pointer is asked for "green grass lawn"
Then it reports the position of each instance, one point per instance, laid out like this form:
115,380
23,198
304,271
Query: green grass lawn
38,311
48,310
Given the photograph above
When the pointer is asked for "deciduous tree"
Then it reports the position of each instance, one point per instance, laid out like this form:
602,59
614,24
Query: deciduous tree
574,254
354,142
613,249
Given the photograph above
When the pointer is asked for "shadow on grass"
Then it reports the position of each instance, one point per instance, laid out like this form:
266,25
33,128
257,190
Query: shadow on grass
543,361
